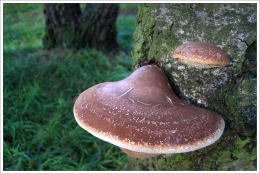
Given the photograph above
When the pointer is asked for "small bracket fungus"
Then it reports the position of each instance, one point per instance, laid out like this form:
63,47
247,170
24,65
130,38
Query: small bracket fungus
142,116
201,55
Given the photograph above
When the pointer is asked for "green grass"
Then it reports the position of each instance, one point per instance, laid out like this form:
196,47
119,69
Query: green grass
128,6
40,88
125,28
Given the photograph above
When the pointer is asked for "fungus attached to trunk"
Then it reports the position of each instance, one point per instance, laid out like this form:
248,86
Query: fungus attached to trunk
201,55
142,116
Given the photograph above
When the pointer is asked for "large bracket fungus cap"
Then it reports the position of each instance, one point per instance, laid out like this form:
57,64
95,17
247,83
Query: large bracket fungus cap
201,55
142,116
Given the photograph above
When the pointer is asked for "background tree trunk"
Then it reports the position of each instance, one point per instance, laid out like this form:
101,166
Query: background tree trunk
230,91
68,26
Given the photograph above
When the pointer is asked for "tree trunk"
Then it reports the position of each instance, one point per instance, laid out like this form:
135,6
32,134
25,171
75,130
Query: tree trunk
230,90
68,26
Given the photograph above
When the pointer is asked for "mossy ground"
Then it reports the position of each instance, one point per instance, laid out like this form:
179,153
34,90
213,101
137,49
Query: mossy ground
223,155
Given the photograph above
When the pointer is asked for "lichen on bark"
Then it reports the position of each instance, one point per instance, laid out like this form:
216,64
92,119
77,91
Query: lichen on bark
230,90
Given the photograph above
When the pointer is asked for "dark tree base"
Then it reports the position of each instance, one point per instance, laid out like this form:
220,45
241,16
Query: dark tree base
70,27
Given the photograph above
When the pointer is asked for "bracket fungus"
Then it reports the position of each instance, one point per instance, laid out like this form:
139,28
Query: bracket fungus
201,55
143,116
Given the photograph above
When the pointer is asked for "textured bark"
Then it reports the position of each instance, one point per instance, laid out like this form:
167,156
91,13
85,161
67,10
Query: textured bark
68,26
230,90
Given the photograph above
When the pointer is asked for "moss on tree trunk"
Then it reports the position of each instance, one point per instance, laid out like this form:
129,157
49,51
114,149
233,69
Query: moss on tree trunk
229,91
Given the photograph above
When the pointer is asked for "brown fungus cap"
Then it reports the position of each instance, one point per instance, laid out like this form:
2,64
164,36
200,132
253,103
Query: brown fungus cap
201,55
143,115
